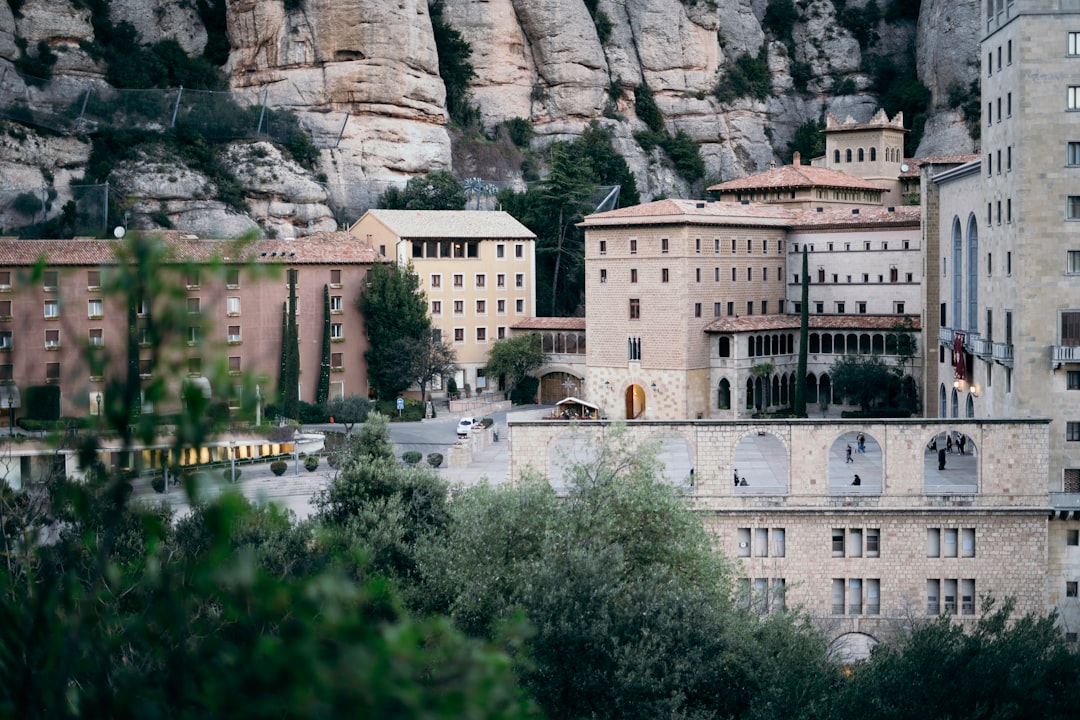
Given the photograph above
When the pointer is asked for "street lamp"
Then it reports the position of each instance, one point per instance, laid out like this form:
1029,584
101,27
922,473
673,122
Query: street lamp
296,450
232,459
11,412
97,396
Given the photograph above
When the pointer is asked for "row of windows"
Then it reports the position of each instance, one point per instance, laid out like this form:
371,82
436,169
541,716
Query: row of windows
894,277
1008,161
665,274
938,590
479,280
481,307
1008,108
762,305
763,595
95,307
481,334
459,249
50,279
950,542
856,542
891,155
856,596
665,246
831,247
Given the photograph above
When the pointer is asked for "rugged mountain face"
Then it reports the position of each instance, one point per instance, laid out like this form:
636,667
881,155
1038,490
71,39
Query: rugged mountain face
363,76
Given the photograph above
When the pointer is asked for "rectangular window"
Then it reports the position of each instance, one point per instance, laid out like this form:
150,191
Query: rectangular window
734,275
5,339
1071,588
854,596
234,334
93,279
697,274
337,331
1073,44
194,333
603,275
336,306
335,278
337,361
635,309
949,542
459,280
481,307
52,309
52,372
481,280
933,542
519,280
500,280
873,542
749,307
519,307
1070,328
838,542
697,310
97,337
459,335
500,306
716,246
664,275
500,249
233,306
633,275
633,246
1072,431
1073,98
1008,113
838,596
1072,155
193,306
1072,380
436,307
459,307
634,349
481,334
663,245
519,250
51,279
234,365
191,279
1073,208
1072,537
5,279
933,597
743,539
52,339
436,281
94,309
854,544
603,247
697,245
873,596
761,542
967,542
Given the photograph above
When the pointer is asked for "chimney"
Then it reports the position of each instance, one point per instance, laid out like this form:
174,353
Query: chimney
796,158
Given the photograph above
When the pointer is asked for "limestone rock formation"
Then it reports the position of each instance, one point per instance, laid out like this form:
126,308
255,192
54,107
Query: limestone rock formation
363,77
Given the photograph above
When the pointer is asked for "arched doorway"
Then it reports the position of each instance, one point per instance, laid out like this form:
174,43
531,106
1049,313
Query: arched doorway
825,392
555,386
635,402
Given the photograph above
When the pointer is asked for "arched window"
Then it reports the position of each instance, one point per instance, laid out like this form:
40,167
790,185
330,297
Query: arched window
942,408
725,347
861,155
970,406
836,156
749,393
815,344
955,404
957,277
760,346
873,154
847,155
864,344
750,346
775,345
878,344
839,344
723,395
826,343
973,275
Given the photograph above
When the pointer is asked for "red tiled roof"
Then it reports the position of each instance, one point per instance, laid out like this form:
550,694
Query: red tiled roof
550,323
475,224
756,323
319,248
832,216
671,212
915,164
797,176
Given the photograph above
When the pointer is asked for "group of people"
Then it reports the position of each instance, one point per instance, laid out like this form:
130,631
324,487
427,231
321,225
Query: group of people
860,443
740,482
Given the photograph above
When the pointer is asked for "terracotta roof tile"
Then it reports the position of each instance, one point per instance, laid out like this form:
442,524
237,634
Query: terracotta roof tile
915,164
668,212
817,322
477,224
832,216
797,176
550,323
317,249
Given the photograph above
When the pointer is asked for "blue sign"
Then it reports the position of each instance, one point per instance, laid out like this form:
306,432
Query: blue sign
400,404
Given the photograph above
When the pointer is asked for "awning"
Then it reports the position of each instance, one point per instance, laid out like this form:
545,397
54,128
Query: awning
576,401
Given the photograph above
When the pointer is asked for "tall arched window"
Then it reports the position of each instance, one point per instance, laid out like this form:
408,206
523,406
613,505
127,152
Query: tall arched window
847,155
873,154
973,275
861,155
725,347
957,277
955,404
836,156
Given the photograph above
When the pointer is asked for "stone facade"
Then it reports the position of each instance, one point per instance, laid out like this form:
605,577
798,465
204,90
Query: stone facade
992,533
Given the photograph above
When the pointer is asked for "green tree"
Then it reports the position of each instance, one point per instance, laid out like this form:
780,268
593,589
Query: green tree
425,358
515,358
322,392
438,190
349,410
290,379
809,140
394,308
862,378
454,67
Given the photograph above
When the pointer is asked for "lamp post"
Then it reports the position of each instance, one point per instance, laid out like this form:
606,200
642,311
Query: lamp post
296,451
97,397
11,412
232,460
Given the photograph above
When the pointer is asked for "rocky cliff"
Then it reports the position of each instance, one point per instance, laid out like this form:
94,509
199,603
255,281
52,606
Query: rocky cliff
364,78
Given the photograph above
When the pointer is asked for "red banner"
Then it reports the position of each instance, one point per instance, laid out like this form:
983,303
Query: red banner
959,368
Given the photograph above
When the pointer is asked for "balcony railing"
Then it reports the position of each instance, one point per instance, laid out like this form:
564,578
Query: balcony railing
1066,354
982,348
945,336
1003,354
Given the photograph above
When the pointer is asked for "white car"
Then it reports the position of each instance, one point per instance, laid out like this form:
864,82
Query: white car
464,425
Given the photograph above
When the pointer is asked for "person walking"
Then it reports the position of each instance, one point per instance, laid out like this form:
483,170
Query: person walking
948,444
862,443
962,443
849,460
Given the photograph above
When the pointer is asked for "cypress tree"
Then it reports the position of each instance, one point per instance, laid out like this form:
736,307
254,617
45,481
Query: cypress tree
804,339
291,391
322,393
284,344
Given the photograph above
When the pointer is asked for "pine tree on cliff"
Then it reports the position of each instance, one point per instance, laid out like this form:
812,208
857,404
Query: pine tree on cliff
804,339
322,393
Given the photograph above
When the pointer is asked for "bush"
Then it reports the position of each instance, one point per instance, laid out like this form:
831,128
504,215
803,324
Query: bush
158,483
486,423
229,477
333,460
27,203
520,131
42,402
278,467
525,392
311,413
411,457
749,77
434,460
311,463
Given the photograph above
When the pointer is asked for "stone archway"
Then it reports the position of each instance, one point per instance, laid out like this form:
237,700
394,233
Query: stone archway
851,647
761,461
635,402
723,397
947,470
867,465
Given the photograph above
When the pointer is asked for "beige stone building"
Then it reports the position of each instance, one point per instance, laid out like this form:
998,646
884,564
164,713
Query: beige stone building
221,320
1003,239
477,269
